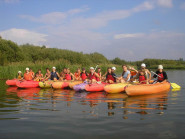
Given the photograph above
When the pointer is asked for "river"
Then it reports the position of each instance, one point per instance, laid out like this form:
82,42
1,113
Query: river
45,114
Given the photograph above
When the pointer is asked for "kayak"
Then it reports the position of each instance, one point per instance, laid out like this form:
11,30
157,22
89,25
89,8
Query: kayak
60,85
95,87
46,84
27,84
115,88
80,87
146,89
11,82
73,83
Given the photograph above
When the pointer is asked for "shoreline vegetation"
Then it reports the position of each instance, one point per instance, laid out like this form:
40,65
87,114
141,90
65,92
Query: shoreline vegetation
15,57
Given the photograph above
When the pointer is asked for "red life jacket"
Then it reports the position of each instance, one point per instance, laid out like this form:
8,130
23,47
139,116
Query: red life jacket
160,77
98,79
83,76
110,77
92,76
142,78
68,77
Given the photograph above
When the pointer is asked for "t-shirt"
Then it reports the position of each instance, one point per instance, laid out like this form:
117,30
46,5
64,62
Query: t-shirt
164,75
126,74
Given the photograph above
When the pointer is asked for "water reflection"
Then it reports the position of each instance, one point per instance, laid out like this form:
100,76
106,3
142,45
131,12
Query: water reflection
116,103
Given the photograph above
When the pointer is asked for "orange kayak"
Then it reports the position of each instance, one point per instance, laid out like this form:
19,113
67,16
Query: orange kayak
147,89
95,87
27,84
115,88
11,82
60,85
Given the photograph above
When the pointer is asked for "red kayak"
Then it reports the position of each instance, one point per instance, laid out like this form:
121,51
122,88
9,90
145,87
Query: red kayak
12,82
27,84
95,87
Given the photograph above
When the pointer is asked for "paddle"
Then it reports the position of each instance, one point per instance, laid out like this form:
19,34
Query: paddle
173,85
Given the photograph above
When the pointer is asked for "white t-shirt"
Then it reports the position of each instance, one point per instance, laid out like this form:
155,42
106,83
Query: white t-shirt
126,74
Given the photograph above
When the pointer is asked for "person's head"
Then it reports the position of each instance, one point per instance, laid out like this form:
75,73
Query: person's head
160,68
113,69
83,70
47,70
31,70
54,69
99,70
39,71
124,67
78,70
143,66
65,70
68,70
37,74
27,70
109,70
91,69
19,72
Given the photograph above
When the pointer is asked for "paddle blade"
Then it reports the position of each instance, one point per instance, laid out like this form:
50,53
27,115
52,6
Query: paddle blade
175,86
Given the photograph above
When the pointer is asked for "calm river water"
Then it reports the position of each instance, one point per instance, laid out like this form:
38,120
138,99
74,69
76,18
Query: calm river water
46,114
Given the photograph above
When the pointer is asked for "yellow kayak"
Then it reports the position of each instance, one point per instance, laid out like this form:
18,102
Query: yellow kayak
73,83
45,84
115,88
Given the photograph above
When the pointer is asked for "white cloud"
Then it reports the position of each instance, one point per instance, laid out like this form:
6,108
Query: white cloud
143,7
165,3
134,35
22,36
54,17
182,6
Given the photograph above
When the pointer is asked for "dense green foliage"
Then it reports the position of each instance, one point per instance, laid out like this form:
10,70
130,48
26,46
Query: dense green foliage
14,58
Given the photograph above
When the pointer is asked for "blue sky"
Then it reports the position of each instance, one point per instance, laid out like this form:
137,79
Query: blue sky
129,29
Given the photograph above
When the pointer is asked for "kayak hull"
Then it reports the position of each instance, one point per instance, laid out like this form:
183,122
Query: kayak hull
11,82
60,85
46,84
95,87
80,87
73,83
27,84
147,89
115,88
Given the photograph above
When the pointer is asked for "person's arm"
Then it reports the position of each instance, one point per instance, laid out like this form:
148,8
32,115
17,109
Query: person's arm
149,73
104,74
72,76
96,75
132,68
58,75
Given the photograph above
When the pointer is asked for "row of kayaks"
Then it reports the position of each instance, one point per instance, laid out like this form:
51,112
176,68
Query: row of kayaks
130,89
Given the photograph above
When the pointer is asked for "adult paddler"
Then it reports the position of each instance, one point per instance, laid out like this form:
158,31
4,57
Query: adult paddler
93,75
54,75
28,75
160,74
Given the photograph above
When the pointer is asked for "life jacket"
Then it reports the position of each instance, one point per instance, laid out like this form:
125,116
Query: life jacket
40,75
142,78
110,77
68,76
160,77
92,76
98,79
83,76
19,77
133,73
77,75
54,75
28,76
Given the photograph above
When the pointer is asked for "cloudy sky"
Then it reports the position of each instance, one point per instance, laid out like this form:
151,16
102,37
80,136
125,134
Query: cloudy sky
129,29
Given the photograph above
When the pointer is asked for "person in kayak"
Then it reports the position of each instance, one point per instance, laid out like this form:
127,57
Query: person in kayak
47,75
62,73
19,75
54,75
133,72
84,74
110,76
40,73
160,74
99,73
125,77
27,75
142,75
93,76
77,74
32,73
69,76
38,77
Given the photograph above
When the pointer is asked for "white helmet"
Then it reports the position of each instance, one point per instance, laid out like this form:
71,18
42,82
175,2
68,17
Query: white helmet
91,68
54,67
160,66
113,68
143,65
27,69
